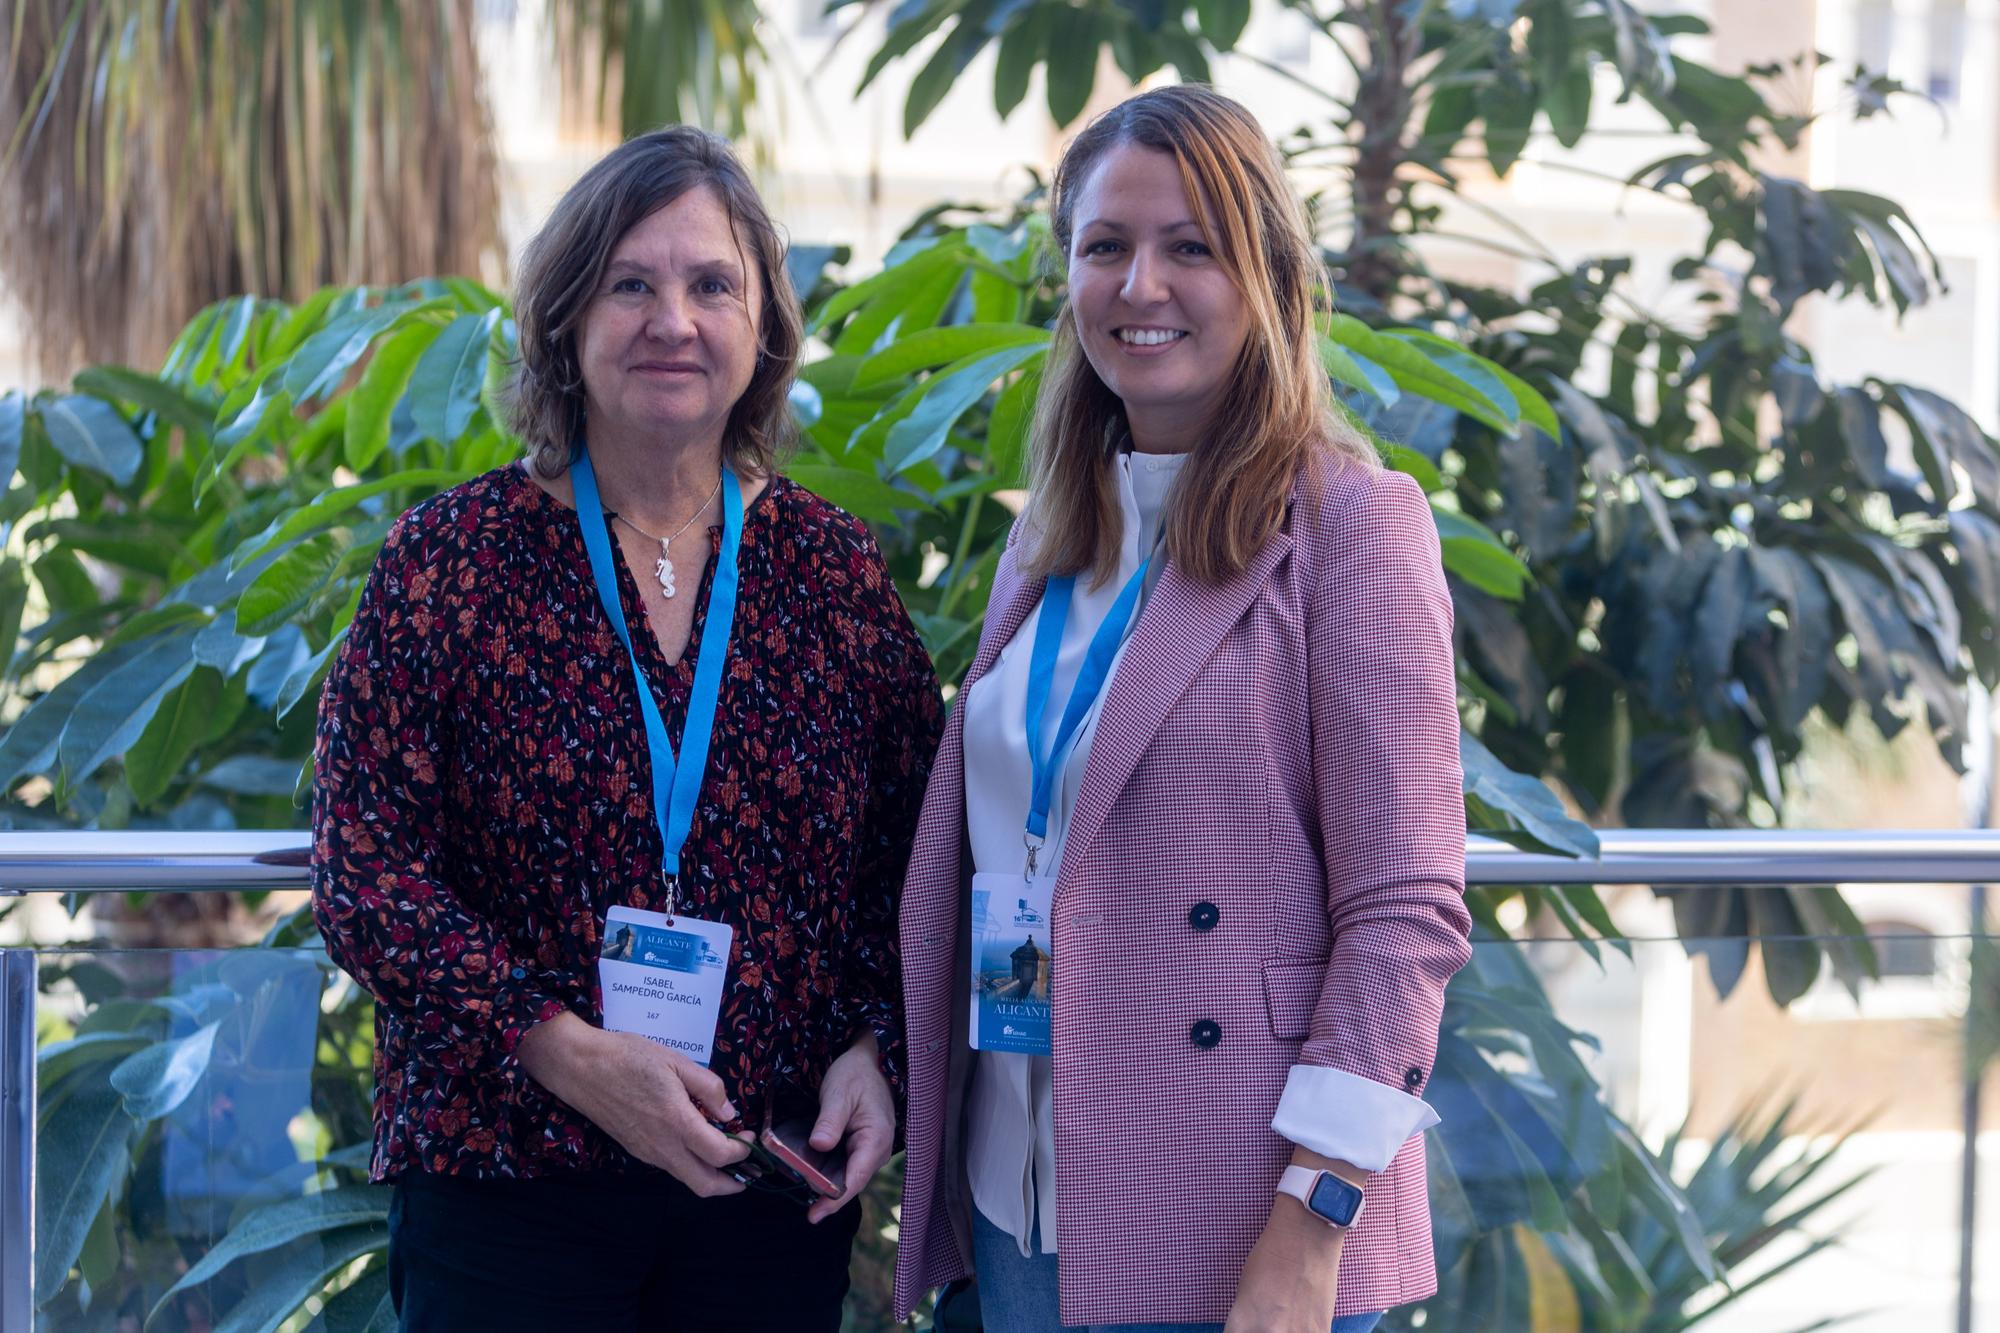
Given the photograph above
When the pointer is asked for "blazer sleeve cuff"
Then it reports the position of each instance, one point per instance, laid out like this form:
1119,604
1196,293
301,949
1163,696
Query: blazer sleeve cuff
1347,1117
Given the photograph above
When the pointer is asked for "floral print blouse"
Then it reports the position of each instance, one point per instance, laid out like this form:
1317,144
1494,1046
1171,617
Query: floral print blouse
483,798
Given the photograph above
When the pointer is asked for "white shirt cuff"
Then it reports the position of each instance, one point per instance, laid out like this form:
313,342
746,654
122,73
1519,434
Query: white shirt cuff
1347,1117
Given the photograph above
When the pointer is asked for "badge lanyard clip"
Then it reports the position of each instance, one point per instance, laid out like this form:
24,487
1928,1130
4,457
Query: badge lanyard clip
676,779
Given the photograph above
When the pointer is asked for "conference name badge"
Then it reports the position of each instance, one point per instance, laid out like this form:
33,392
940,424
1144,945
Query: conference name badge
662,978
1011,960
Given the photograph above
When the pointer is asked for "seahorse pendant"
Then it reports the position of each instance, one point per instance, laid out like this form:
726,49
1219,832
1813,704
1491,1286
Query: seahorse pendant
665,571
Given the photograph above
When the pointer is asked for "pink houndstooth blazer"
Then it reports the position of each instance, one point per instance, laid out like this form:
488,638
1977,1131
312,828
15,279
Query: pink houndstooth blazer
1283,748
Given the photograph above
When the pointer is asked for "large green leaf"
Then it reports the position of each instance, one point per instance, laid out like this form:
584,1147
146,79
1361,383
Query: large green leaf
908,25
965,41
1223,21
181,722
444,388
1475,554
373,402
1072,68
893,285
1358,372
335,503
856,489
944,398
13,423
1948,437
276,1224
79,1156
1007,431
298,1274
127,541
927,348
13,605
1567,102
254,775
300,683
116,710
324,359
1021,49
1410,364
1522,798
59,1059
1508,105
289,583
907,308
163,399
89,433
30,743
364,1306
158,1079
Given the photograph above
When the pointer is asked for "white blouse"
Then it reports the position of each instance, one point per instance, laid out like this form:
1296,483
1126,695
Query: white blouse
1010,1132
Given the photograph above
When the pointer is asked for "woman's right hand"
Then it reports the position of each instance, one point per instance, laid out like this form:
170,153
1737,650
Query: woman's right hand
645,1096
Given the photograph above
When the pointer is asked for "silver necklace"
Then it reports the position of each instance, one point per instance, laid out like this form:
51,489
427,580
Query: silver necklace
664,570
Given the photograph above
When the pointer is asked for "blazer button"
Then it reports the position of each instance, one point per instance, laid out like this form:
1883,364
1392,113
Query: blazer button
1203,916
1205,1034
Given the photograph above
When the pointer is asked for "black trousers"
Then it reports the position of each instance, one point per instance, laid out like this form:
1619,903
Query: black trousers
611,1255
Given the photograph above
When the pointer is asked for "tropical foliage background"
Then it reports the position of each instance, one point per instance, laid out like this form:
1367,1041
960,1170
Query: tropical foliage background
1671,543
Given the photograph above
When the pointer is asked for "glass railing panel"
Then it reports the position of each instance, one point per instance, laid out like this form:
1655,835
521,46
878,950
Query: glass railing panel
1627,1146
202,1136
1624,1146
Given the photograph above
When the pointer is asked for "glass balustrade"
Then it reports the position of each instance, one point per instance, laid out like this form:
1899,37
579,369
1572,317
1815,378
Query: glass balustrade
202,1130
1635,1135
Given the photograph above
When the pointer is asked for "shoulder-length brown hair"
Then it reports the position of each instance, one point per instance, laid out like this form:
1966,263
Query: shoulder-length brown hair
1277,415
564,264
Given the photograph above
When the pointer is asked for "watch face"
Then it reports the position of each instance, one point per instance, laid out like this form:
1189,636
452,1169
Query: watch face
1335,1200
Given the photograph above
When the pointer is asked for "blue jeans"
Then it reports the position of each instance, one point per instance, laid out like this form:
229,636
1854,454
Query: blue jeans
1018,1295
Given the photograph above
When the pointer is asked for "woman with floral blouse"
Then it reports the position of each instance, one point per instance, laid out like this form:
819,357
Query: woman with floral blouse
742,750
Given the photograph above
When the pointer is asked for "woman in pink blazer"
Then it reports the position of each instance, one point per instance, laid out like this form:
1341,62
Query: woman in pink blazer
1187,885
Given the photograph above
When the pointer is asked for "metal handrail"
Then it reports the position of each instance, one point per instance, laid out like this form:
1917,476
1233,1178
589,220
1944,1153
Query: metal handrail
162,862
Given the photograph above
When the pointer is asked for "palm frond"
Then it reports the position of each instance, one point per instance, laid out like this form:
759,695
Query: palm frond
160,155
635,65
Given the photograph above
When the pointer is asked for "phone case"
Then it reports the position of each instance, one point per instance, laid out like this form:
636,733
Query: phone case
821,1170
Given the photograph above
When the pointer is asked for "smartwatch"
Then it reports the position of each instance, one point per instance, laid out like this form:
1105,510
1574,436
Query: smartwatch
1325,1195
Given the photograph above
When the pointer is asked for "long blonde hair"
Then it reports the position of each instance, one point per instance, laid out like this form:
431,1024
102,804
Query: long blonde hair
1277,415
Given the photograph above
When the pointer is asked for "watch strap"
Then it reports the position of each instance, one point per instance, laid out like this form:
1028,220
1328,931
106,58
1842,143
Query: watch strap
1300,1181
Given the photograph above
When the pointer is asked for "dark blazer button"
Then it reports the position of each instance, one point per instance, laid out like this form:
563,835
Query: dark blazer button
1413,1078
1205,1033
1203,916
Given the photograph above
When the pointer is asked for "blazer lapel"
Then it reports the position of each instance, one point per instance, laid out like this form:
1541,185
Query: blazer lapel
931,889
1178,631
1013,597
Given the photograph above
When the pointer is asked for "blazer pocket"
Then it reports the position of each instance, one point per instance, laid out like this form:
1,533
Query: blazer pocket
1291,992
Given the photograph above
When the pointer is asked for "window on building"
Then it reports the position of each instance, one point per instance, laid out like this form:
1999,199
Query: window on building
1947,55
1920,973
1874,35
1903,950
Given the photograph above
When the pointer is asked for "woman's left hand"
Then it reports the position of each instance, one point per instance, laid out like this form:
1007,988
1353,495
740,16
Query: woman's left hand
855,1110
1291,1277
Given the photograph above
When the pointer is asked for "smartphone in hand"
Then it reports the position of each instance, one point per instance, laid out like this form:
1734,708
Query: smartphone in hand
788,1141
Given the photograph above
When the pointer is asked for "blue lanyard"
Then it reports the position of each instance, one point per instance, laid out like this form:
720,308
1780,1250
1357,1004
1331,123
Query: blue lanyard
1090,678
676,784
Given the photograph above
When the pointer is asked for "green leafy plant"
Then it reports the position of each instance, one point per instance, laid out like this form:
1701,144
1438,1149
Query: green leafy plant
186,1127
